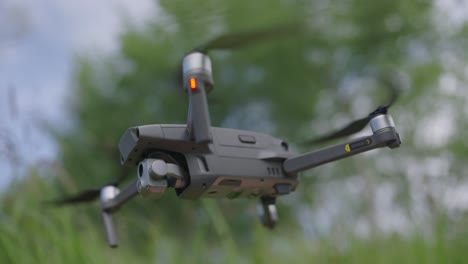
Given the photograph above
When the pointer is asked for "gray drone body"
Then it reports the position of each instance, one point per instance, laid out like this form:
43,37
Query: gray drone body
201,161
237,163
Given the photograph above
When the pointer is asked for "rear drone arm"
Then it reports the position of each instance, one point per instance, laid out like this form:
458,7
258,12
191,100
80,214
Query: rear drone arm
384,135
198,81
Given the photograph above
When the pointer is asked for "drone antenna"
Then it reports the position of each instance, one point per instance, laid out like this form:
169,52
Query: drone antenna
198,81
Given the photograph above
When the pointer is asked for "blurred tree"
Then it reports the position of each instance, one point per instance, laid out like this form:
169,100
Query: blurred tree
289,87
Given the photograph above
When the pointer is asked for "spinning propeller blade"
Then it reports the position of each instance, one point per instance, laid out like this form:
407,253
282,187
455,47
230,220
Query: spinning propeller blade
85,196
240,39
359,124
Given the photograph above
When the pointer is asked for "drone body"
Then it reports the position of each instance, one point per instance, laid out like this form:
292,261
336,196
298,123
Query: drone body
201,161
237,163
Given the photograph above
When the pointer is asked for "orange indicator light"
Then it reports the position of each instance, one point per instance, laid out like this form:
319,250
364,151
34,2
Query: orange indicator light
193,83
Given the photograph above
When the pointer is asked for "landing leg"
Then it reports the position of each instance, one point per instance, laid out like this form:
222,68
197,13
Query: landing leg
267,211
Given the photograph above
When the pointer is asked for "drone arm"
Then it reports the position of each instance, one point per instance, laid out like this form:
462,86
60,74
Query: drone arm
384,136
122,197
155,176
198,81
111,200
198,117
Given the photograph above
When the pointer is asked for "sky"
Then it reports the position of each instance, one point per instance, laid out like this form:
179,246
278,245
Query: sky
38,43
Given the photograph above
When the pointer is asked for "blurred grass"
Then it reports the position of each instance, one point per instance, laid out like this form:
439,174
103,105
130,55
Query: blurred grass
31,232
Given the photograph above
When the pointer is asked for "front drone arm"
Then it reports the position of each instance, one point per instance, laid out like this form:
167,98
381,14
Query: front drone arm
384,136
111,200
155,176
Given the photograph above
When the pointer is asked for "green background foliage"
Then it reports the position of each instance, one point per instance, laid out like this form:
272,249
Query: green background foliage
294,87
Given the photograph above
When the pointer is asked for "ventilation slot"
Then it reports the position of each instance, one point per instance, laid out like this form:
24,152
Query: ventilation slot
202,164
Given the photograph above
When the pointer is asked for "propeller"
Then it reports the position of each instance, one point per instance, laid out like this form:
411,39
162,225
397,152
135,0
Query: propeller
85,196
237,40
241,39
359,124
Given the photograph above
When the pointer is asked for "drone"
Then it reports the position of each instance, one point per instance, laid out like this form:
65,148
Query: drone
198,160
